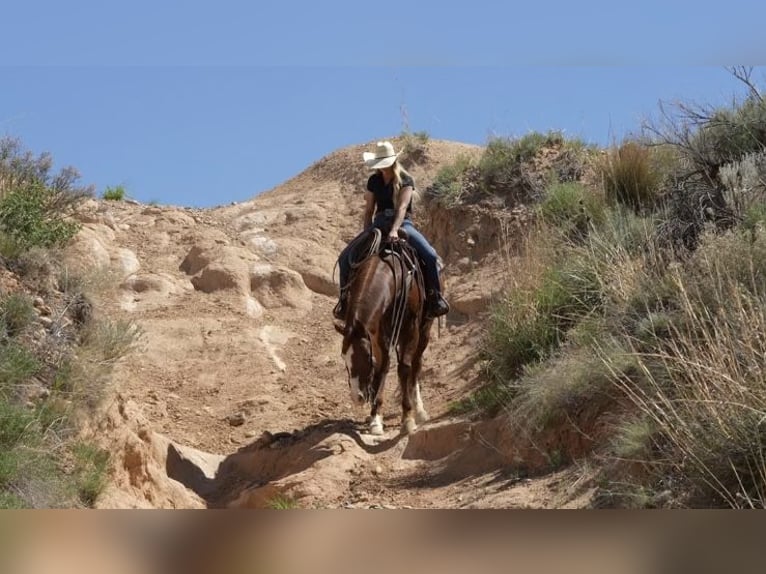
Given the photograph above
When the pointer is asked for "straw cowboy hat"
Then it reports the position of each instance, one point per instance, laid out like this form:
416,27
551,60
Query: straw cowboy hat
383,156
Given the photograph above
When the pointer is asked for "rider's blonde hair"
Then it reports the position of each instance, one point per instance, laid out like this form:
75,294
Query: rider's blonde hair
399,171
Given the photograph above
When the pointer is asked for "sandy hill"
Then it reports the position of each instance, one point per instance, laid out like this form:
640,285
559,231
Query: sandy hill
238,395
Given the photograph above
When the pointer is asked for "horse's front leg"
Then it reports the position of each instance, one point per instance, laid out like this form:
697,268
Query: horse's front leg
409,425
378,384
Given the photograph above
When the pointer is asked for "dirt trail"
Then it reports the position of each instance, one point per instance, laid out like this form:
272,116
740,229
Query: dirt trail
238,395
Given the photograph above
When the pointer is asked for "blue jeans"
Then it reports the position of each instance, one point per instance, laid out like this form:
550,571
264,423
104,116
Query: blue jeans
426,252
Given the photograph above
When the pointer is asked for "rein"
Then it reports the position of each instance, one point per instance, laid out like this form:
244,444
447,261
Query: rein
404,253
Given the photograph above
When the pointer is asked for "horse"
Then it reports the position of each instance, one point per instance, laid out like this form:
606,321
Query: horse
386,311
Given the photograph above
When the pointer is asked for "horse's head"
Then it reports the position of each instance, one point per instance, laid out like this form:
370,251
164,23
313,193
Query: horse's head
360,364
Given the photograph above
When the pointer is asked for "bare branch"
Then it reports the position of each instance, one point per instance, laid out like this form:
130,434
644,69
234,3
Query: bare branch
744,74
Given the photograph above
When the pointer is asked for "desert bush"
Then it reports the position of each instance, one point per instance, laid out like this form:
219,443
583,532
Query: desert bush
282,502
633,439
90,472
27,470
528,324
17,364
16,314
114,193
710,137
563,204
527,146
629,178
15,424
29,217
452,182
103,343
414,142
506,173
561,389
40,470
20,167
111,340
503,169
35,201
513,168
744,184
725,135
573,209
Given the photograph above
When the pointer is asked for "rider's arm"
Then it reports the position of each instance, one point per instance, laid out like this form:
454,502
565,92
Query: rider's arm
405,195
369,208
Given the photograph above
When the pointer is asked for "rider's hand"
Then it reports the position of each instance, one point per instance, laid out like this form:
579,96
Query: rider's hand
393,235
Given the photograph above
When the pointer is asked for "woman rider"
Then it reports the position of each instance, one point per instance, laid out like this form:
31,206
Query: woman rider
388,207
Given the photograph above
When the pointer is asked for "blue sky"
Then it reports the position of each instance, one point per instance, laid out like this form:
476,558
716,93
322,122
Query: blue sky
206,103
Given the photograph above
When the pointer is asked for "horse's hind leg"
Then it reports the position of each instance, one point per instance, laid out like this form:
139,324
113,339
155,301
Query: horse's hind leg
417,361
421,415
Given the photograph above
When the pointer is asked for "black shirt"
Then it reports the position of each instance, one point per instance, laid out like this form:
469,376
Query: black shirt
384,194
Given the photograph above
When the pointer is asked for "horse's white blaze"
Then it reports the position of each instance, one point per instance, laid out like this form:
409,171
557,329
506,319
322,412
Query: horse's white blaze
355,389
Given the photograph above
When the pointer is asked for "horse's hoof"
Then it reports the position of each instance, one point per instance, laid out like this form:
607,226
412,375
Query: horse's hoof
376,429
421,416
409,427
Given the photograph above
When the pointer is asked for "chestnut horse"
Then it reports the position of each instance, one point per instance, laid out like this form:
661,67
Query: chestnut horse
385,311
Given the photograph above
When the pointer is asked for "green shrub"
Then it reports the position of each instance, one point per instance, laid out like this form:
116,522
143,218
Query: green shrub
115,193
754,218
506,168
623,229
573,209
501,169
9,501
90,472
634,439
451,182
103,343
29,477
528,325
16,313
728,134
563,204
15,423
20,167
282,502
529,145
17,364
563,388
30,217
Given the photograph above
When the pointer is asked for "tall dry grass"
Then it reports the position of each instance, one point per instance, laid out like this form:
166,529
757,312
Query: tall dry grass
703,384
